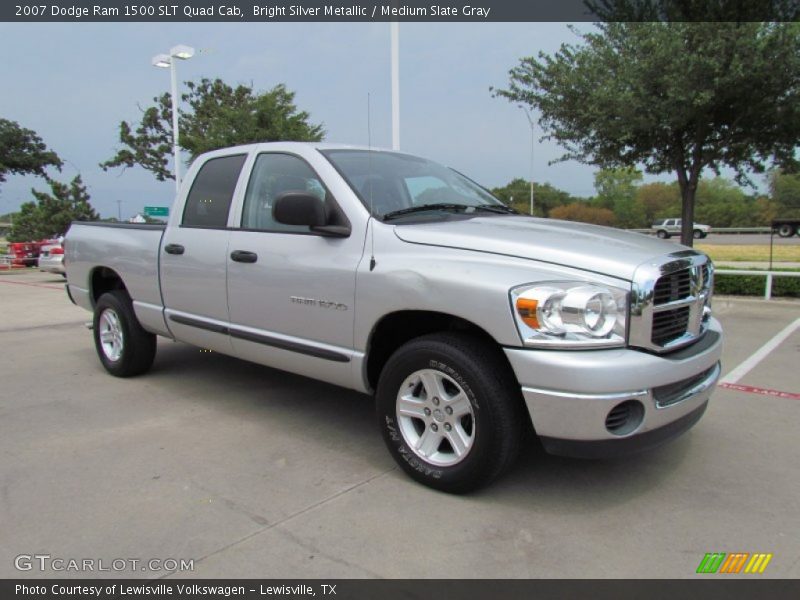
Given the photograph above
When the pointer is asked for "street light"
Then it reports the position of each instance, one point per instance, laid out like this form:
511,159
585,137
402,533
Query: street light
533,142
167,61
395,43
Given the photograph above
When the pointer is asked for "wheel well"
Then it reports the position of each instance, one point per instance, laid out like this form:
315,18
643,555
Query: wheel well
104,280
395,329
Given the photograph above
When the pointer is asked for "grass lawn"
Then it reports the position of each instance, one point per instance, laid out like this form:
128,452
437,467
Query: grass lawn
752,252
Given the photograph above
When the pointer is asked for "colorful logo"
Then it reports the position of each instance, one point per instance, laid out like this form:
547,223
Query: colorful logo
734,563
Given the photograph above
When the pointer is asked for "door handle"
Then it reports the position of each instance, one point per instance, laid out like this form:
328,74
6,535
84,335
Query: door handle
244,256
174,249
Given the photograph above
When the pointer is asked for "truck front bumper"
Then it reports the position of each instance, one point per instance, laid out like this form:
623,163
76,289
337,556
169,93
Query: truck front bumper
604,403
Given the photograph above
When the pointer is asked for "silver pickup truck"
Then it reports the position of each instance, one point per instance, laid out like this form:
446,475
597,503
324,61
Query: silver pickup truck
392,275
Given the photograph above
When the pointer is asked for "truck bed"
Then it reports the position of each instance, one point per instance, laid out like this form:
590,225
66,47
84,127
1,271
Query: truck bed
129,249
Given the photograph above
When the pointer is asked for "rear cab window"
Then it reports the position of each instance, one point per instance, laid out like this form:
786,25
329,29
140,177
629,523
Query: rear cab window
210,197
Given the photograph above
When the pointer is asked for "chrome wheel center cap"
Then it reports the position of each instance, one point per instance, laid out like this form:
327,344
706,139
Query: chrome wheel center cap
438,415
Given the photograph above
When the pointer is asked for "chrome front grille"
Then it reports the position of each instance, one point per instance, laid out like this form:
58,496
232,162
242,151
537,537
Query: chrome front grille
670,304
669,325
672,287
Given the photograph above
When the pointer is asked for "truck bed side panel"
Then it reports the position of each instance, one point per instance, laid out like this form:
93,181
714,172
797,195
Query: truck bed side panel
131,251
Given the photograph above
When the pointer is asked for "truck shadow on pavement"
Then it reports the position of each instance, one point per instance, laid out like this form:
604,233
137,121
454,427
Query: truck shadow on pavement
562,485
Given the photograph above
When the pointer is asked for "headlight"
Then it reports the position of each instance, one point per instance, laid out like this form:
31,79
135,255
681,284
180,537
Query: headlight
570,314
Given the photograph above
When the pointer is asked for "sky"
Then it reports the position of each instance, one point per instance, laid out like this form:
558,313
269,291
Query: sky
73,83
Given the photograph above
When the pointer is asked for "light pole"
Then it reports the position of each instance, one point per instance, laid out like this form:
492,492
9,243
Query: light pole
395,39
533,143
165,61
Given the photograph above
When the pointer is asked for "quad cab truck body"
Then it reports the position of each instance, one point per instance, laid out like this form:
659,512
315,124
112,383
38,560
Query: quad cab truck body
392,275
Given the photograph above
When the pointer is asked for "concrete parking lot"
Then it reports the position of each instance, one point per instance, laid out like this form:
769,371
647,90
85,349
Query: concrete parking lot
249,471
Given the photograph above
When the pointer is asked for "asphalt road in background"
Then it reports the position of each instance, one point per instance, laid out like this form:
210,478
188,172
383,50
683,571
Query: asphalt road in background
251,472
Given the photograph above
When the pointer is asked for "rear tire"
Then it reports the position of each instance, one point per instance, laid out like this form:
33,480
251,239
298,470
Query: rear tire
786,230
450,411
125,349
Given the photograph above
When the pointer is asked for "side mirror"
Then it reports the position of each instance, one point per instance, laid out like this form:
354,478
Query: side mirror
299,208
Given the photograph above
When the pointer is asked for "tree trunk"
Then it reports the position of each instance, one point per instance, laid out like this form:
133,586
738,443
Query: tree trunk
688,186
687,214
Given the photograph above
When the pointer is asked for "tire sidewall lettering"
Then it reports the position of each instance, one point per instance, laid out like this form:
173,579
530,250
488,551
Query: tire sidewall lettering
456,376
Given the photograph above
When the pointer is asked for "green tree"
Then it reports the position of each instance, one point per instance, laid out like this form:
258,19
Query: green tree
616,190
613,184
785,193
722,203
545,196
22,152
765,211
672,97
683,10
658,200
580,211
51,214
516,193
219,116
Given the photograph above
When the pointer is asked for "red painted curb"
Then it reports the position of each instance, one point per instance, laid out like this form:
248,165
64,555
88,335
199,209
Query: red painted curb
49,287
762,391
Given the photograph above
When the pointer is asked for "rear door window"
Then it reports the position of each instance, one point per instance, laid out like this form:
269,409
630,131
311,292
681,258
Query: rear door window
210,198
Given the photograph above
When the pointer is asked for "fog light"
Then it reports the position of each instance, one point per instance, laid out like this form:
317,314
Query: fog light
625,417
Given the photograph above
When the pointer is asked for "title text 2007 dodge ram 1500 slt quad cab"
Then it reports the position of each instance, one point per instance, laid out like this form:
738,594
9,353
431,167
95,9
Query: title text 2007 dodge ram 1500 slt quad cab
388,273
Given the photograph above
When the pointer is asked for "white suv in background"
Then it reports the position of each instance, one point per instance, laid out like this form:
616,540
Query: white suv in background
668,227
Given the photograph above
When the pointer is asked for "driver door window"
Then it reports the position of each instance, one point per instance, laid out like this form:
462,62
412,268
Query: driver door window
274,174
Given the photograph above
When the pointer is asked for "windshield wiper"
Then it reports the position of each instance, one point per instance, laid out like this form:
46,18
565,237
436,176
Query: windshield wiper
424,207
494,208
497,208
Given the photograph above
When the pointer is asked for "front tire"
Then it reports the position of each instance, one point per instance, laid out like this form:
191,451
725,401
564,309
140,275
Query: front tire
125,349
662,234
697,234
786,230
450,411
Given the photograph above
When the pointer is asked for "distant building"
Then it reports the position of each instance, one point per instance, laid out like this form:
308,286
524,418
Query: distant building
139,218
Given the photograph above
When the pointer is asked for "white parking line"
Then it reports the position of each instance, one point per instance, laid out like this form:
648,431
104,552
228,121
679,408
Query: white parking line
760,354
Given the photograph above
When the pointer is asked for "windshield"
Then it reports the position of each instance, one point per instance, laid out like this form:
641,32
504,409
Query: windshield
390,182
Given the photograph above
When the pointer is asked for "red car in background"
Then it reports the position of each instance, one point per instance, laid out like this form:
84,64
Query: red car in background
24,254
48,255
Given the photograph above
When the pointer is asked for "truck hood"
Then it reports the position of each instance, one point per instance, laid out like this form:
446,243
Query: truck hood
577,245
